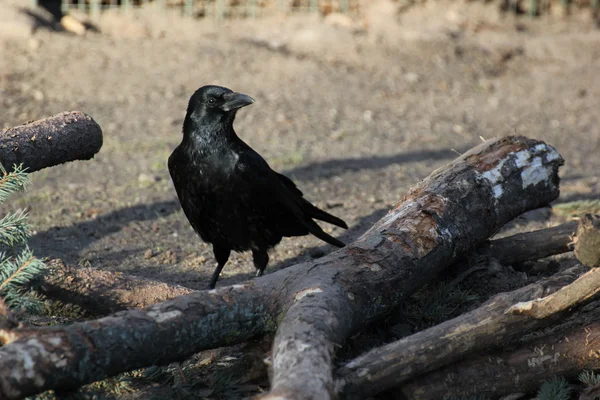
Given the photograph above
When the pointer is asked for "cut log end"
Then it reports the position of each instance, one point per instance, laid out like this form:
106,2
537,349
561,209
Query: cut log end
587,243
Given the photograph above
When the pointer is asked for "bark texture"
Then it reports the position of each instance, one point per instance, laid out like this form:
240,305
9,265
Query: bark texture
479,330
566,351
67,136
319,302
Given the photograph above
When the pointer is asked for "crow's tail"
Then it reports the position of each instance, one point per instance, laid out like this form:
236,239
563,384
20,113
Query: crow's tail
318,232
321,215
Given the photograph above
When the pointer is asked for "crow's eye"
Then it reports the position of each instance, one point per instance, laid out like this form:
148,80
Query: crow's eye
211,100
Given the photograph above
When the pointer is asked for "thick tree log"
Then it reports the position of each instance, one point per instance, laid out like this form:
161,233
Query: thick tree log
103,292
36,359
449,214
320,302
67,136
479,330
565,352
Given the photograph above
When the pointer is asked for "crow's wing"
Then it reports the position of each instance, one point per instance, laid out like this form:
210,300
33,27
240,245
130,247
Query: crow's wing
273,193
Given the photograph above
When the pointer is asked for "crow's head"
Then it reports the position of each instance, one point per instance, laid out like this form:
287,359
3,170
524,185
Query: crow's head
211,104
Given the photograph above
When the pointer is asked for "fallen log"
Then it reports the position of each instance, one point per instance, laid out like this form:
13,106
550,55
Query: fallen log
319,302
566,351
482,329
490,325
51,141
450,213
104,292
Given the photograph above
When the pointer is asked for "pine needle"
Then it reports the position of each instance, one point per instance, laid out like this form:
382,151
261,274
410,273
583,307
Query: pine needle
556,389
21,271
16,271
14,229
11,182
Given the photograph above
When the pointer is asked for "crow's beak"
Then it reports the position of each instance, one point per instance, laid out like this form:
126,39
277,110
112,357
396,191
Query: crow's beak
233,101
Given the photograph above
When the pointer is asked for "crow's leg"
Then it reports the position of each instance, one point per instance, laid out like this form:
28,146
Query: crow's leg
221,255
261,259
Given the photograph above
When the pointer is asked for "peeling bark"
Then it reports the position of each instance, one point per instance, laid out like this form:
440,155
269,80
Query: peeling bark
479,330
566,351
319,302
103,292
51,141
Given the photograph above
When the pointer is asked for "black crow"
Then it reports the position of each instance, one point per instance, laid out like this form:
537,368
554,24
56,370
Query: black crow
228,192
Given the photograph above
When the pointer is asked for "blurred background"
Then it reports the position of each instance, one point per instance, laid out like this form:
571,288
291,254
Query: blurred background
356,100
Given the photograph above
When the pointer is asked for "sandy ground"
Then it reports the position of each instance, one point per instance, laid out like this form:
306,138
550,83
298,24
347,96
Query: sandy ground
356,112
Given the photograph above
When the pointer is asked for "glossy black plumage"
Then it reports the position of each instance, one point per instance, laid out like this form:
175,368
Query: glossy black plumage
228,192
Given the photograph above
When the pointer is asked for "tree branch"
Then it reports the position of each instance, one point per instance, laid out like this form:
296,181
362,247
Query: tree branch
566,351
530,246
67,136
319,302
479,330
582,289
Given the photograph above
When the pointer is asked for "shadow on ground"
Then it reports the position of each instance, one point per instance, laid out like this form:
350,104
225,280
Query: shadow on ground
330,168
67,243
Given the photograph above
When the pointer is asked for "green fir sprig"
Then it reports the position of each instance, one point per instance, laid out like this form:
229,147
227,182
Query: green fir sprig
18,266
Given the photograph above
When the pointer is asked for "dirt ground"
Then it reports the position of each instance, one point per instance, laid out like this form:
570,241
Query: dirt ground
356,112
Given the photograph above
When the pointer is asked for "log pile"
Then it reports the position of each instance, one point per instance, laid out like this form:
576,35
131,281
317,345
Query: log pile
315,306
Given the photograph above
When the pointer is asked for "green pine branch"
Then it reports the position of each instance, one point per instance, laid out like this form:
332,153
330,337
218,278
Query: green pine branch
589,378
16,271
11,182
14,229
15,274
555,389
